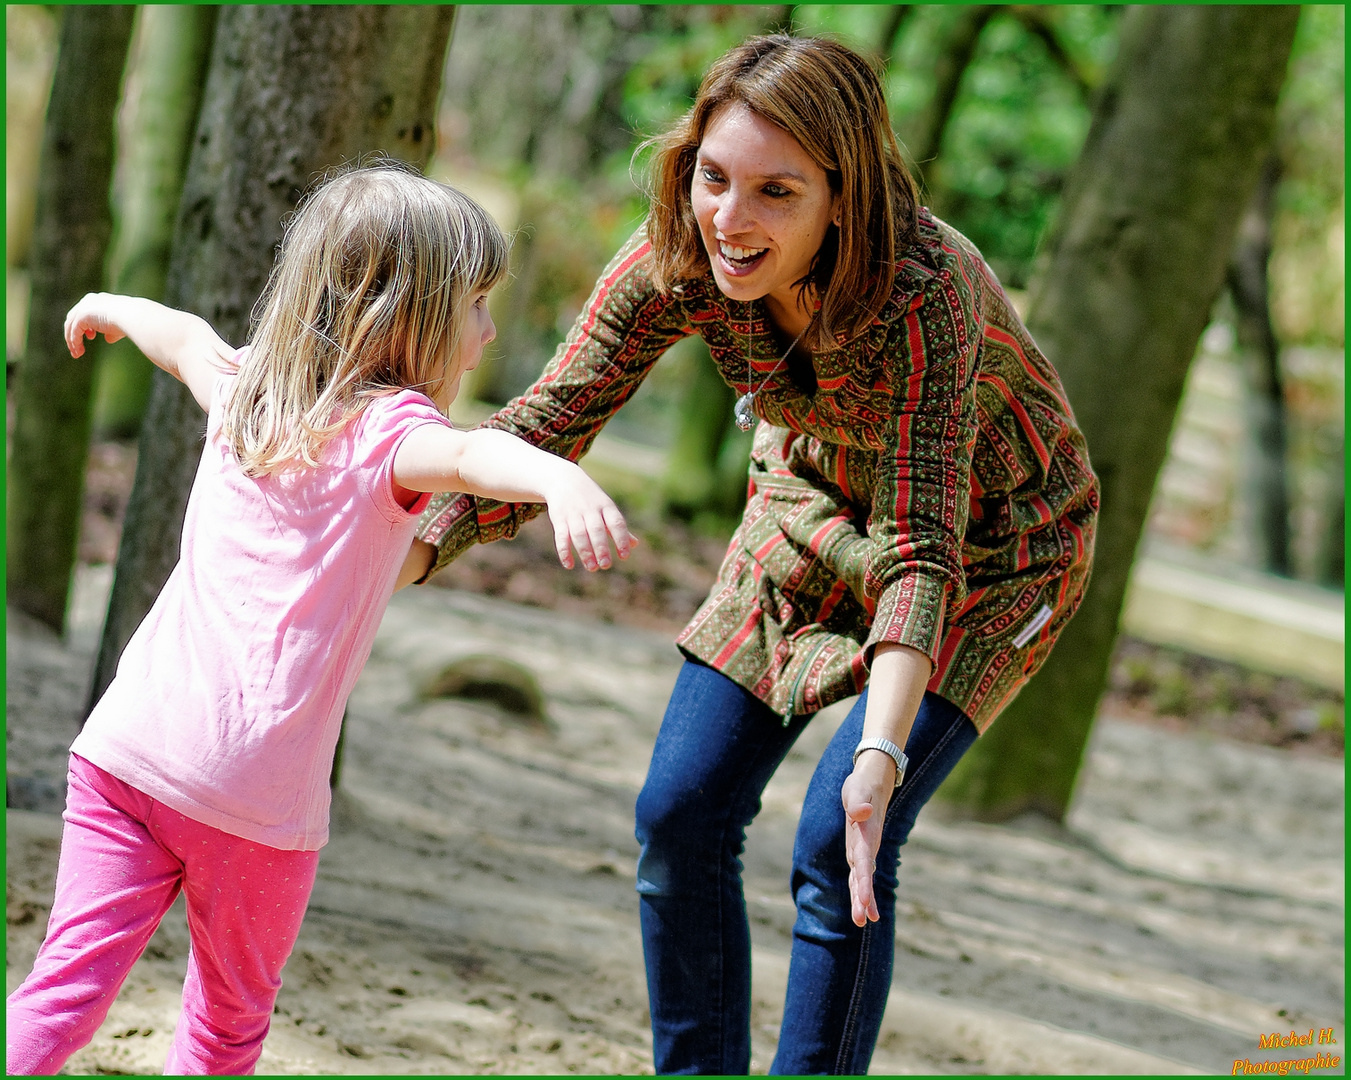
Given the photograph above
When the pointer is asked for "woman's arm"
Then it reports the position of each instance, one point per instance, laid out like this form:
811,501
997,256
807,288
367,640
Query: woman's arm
895,688
181,343
500,466
921,502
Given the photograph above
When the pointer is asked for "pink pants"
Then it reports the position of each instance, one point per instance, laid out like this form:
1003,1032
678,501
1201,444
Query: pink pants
124,858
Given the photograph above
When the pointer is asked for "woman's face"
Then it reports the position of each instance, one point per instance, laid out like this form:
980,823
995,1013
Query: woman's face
763,207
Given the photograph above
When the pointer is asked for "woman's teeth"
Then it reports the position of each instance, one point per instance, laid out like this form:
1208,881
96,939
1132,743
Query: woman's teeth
740,255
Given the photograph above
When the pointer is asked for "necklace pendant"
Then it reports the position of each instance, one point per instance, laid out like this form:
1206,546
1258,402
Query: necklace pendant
741,411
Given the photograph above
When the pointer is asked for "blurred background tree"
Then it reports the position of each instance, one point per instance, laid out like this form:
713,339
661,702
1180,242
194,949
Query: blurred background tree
163,91
70,227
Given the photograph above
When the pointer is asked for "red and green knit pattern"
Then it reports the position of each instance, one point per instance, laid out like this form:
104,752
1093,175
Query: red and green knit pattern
934,491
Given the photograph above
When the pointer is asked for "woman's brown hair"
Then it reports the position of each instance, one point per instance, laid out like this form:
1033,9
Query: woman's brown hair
830,100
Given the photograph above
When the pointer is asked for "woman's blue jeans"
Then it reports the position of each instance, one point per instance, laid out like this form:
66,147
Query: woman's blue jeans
717,748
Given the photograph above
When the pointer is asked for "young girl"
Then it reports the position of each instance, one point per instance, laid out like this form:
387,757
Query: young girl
205,765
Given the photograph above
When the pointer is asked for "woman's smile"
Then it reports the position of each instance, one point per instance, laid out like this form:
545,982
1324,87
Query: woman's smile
740,259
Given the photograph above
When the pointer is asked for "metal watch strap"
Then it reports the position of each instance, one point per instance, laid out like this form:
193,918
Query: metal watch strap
890,749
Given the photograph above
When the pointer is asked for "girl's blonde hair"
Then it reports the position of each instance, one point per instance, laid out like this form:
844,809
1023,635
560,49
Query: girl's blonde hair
830,99
369,293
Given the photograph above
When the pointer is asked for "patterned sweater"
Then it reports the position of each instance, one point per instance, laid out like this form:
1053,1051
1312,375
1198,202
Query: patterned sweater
933,491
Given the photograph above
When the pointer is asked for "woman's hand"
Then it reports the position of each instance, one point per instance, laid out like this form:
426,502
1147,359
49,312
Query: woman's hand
896,684
865,795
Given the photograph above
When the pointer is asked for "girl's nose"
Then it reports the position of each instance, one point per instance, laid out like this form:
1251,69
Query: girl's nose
491,333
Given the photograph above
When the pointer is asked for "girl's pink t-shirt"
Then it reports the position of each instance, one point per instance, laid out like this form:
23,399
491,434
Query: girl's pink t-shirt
229,697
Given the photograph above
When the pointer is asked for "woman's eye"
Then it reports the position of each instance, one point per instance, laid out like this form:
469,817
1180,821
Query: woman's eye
711,175
776,191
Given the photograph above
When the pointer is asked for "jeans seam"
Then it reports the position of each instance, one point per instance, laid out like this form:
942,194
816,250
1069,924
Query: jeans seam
855,1003
842,1067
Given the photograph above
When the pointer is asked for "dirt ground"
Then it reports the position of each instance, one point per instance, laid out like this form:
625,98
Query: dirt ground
475,910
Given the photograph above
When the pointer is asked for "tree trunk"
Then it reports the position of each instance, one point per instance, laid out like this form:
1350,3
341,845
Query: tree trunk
70,241
1268,491
164,93
1137,258
32,34
291,91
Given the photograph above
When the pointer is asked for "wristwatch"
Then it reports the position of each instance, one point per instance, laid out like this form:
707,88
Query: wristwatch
891,750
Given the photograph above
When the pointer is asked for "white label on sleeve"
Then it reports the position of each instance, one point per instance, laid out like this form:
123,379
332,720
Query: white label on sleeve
1028,632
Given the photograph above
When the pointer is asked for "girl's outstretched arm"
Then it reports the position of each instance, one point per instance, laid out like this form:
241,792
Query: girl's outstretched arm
498,465
181,343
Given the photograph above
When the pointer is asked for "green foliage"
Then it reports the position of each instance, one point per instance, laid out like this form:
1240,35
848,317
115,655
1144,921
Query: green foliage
1016,128
662,85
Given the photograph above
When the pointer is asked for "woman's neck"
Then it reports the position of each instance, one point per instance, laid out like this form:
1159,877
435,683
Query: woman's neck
788,323
791,314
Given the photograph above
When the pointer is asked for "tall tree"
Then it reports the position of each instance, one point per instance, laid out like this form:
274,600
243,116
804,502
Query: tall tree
70,240
164,92
291,91
1136,259
31,39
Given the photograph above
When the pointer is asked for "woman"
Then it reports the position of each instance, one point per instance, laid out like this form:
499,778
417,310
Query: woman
919,528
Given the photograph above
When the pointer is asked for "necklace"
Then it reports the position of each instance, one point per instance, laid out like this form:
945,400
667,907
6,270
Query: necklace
741,411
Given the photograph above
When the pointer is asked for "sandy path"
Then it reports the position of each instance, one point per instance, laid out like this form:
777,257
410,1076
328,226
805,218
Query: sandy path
475,909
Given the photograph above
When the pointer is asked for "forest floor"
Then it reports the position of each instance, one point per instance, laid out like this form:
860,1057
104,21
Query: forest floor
475,910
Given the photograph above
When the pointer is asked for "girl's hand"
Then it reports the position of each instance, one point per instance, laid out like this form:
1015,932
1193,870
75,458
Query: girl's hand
179,342
585,518
865,795
94,314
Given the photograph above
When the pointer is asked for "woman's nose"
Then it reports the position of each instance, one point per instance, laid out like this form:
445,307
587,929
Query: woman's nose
491,333
732,215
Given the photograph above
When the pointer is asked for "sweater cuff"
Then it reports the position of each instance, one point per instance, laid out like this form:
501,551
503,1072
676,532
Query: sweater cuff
910,612
451,523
